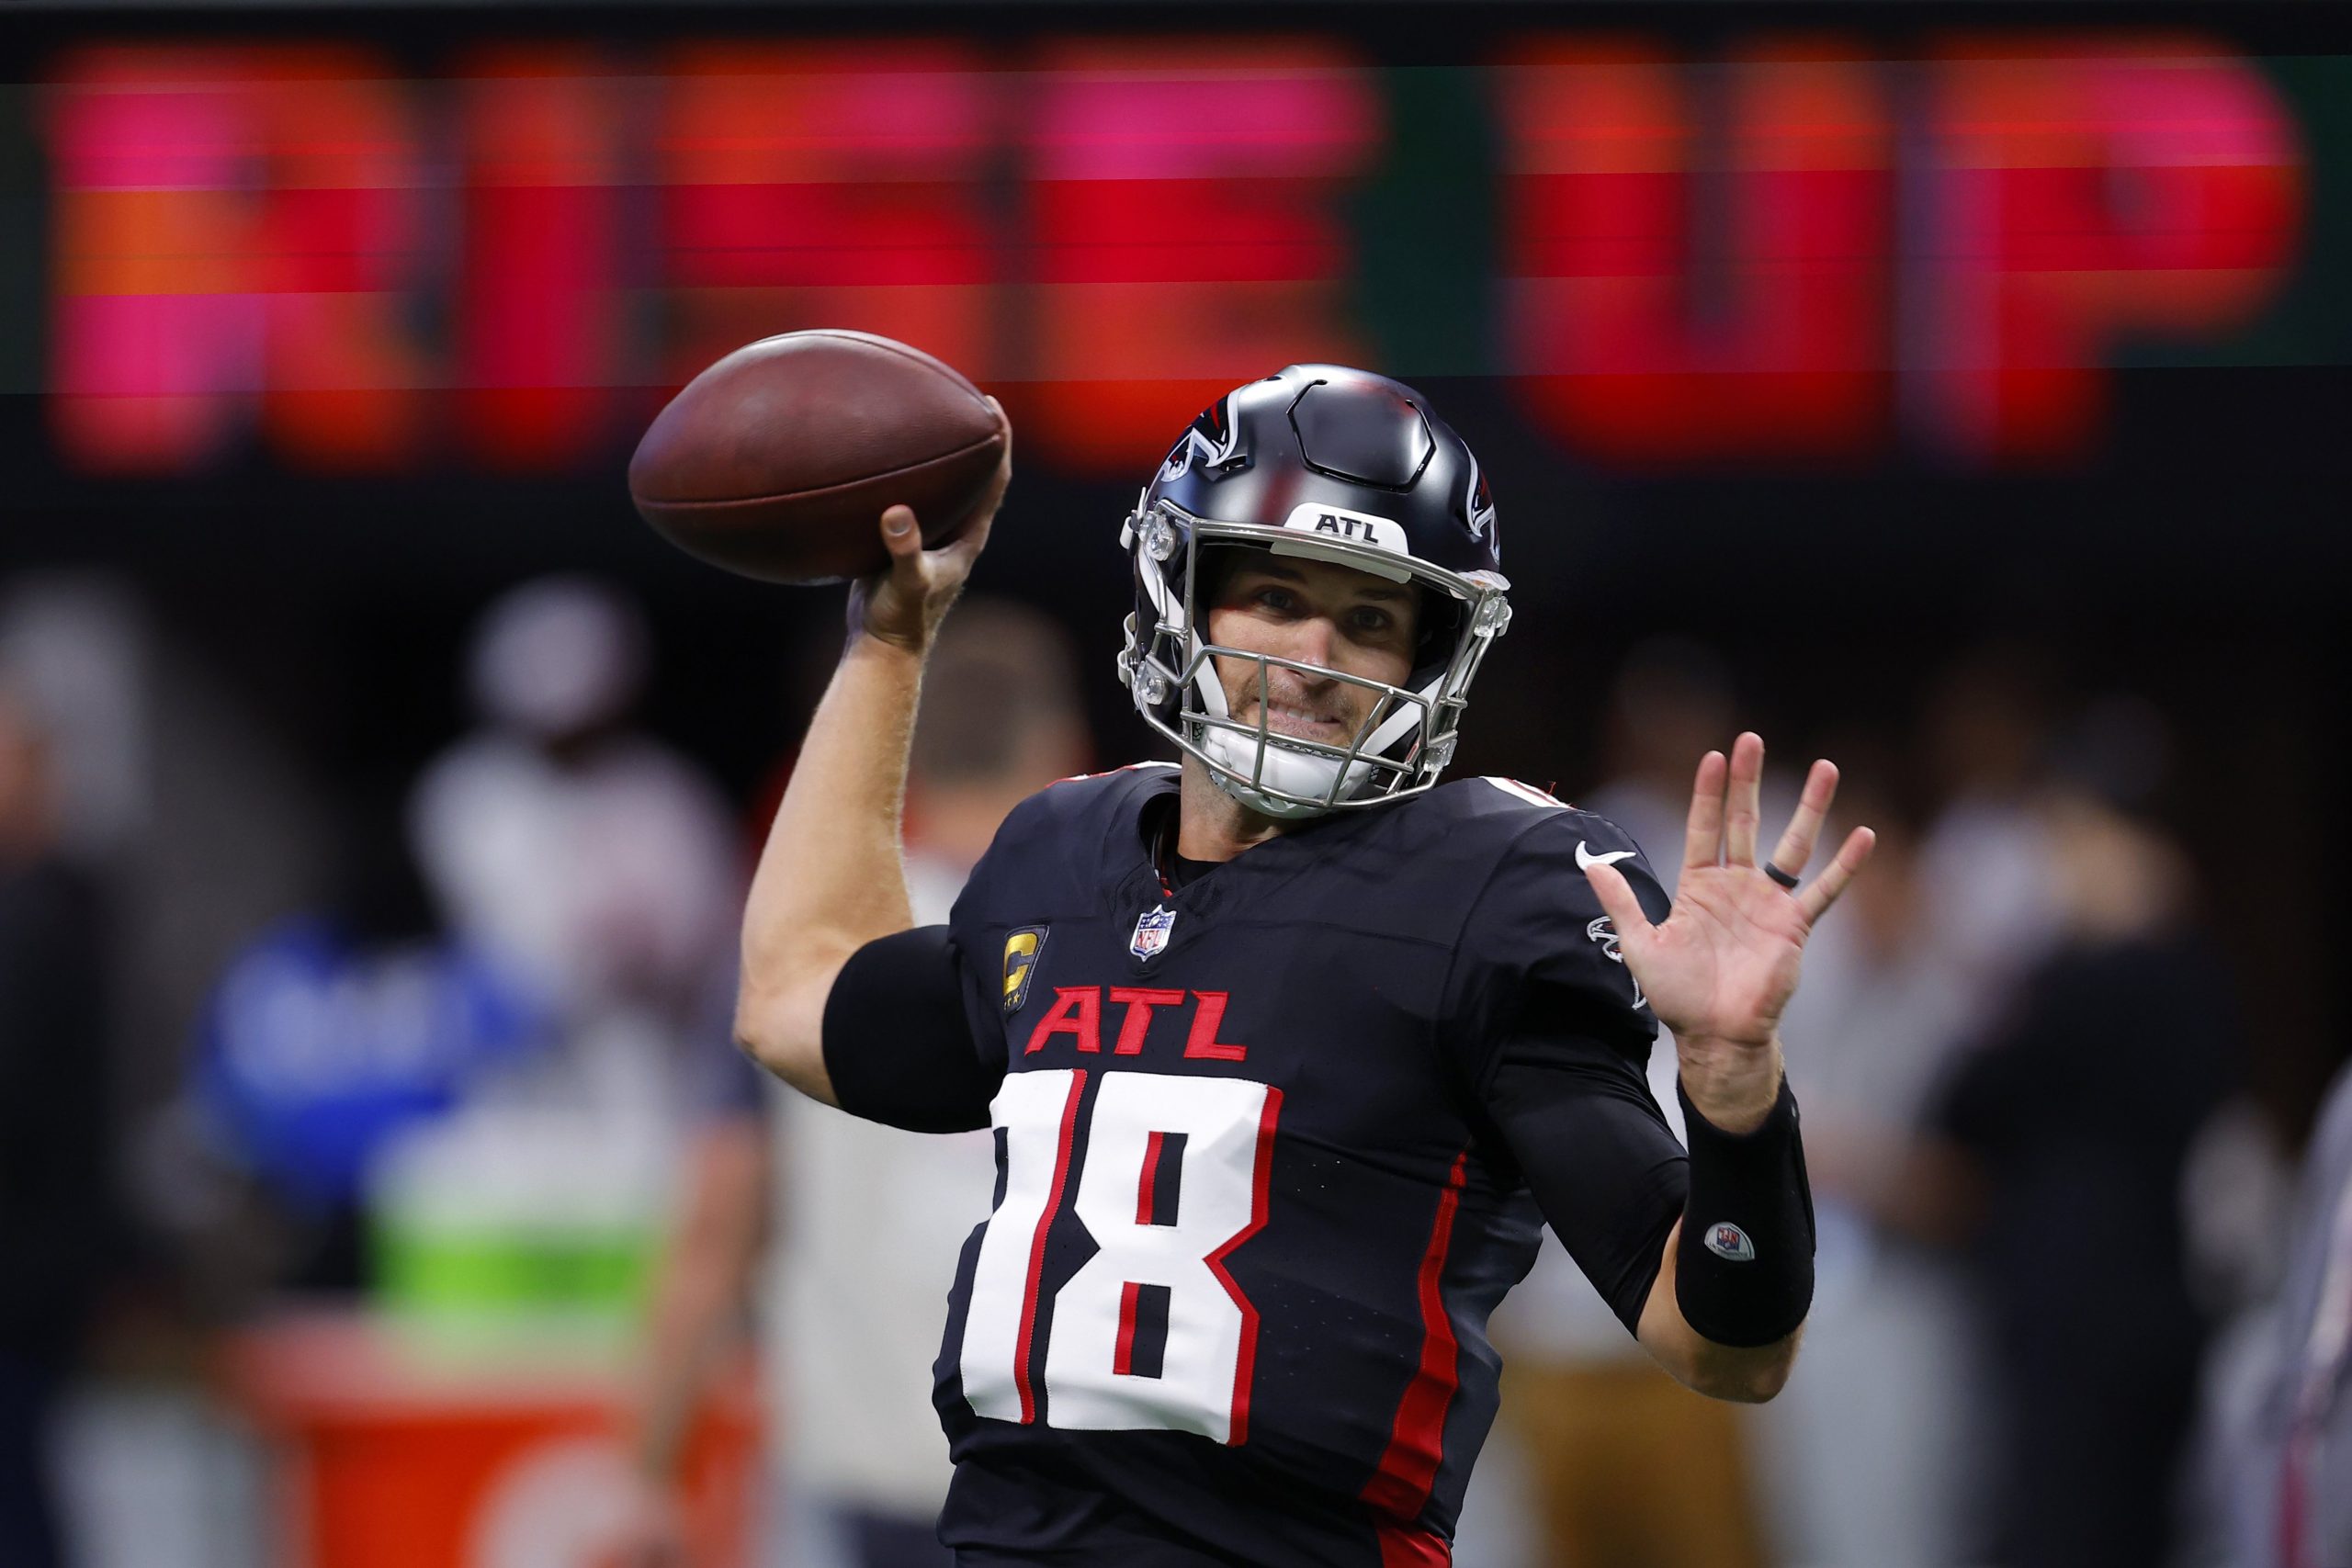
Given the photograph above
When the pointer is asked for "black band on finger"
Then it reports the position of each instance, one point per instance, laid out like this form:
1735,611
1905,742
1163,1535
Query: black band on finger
1784,878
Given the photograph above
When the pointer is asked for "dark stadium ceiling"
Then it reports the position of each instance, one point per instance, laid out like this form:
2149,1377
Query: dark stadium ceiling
2290,18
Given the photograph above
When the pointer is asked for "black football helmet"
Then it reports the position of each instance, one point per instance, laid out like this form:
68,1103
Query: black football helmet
1337,465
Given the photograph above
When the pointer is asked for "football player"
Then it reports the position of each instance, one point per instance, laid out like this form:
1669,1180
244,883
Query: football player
1287,1049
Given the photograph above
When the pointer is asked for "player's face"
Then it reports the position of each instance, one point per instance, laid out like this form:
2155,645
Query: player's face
1316,613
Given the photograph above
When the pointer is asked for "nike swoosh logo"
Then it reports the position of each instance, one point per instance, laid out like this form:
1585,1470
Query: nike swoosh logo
1587,859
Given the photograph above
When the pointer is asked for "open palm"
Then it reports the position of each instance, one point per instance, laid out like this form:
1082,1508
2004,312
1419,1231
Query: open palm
1722,966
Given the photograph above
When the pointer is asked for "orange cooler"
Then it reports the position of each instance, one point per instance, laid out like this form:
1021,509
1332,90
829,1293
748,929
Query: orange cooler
389,1452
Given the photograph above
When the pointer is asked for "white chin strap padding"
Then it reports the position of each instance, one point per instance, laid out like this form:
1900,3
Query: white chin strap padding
1234,757
1303,774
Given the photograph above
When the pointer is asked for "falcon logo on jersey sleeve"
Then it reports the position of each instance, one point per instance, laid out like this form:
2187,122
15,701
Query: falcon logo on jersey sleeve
1604,932
1151,933
1021,950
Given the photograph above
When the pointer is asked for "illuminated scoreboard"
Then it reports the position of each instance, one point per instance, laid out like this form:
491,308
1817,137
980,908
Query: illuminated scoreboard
1798,253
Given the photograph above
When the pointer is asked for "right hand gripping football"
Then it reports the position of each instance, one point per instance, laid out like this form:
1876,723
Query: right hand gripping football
904,605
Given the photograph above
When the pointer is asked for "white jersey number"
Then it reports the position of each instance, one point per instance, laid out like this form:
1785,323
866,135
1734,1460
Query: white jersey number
1174,1180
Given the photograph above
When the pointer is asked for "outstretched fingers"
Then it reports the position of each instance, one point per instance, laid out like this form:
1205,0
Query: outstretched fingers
1616,896
1703,835
1743,801
1815,898
1804,830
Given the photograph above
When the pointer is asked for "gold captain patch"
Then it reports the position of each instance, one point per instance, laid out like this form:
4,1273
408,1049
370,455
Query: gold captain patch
1021,950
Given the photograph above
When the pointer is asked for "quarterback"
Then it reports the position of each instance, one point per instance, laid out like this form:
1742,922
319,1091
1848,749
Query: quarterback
1290,1049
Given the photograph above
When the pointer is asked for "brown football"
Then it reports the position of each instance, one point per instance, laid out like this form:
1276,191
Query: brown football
778,461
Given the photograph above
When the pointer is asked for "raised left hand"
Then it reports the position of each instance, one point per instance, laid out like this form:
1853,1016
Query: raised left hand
1722,967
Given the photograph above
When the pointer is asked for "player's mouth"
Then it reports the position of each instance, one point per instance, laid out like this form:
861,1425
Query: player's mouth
1306,723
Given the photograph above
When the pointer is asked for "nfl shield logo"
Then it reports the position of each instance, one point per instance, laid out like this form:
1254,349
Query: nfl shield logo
1151,933
1727,1241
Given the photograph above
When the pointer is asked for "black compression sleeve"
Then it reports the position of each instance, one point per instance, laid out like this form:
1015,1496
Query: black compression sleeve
1580,1119
898,1039
1742,1272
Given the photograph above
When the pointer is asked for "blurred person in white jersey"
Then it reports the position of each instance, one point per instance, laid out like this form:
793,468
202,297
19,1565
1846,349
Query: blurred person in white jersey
859,1226
1871,1457
600,869
2282,1454
598,862
1986,861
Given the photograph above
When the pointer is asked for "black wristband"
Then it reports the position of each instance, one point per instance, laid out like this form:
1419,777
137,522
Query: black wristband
1742,1272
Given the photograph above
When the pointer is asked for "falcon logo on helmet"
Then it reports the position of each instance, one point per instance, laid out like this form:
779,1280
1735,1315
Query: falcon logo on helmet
1482,508
1208,443
1337,465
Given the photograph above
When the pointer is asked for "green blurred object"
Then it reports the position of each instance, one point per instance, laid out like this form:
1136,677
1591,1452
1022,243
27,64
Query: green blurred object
535,1229
463,1278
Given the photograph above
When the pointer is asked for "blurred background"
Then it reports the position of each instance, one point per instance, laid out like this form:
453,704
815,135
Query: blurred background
1961,392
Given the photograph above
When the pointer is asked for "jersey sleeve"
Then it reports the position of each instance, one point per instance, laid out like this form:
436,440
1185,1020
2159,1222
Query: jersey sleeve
914,1025
905,1035
1593,1146
1547,1027
1536,927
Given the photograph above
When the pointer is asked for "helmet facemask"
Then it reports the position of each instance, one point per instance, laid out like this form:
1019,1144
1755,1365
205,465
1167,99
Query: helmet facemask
1402,745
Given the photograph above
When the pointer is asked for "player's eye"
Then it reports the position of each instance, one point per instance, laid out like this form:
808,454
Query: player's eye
1372,622
1273,598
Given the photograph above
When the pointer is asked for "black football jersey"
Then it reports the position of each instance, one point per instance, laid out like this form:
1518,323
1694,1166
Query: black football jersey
1266,1143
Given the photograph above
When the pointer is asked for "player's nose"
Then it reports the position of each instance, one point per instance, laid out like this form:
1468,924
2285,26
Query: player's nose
1311,644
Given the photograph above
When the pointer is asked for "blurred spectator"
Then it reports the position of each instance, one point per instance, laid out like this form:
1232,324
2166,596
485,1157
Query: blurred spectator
598,860
1626,1466
2287,1445
1671,704
603,869
55,1210
871,1220
2072,1122
335,1028
1986,861
1867,1451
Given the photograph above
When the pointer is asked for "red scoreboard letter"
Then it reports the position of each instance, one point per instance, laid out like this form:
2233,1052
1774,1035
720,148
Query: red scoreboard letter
1697,256
1183,210
2074,200
235,231
539,308
838,184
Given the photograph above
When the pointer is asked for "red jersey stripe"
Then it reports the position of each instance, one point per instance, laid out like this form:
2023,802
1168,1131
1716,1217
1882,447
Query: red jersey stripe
1037,1251
1123,1360
1262,1183
1400,1487
1410,1546
1146,1190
